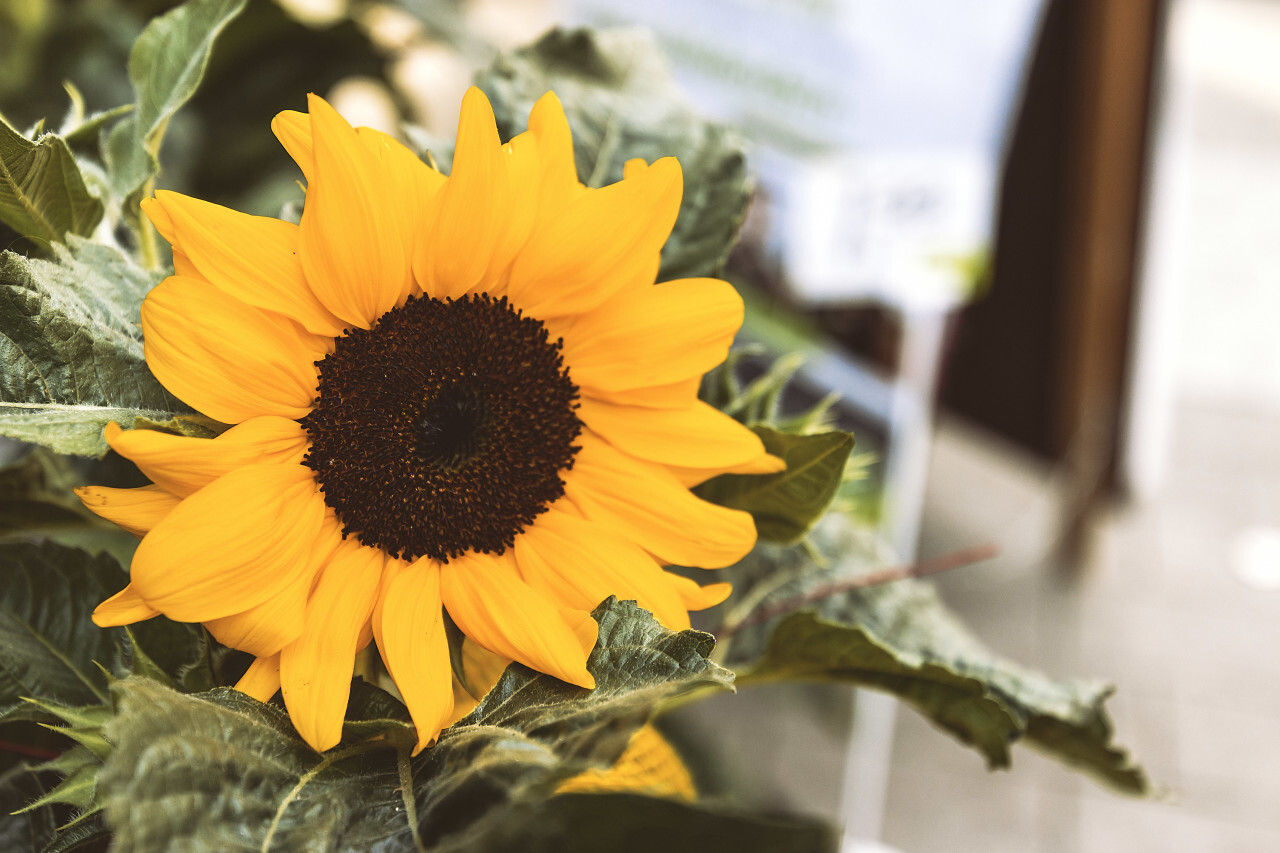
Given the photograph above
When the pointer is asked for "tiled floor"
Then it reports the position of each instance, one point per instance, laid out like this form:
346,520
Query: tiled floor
1160,610
1193,650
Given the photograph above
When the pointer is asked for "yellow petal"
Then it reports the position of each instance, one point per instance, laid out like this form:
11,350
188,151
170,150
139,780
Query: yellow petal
696,597
762,464
163,223
549,126
316,668
366,634
649,765
486,597
654,336
469,217
676,395
414,175
604,242
463,702
183,267
183,465
253,258
266,628
542,180
123,608
581,564
585,630
416,183
293,129
136,510
232,545
262,679
645,503
525,180
698,435
408,624
481,669
356,257
225,358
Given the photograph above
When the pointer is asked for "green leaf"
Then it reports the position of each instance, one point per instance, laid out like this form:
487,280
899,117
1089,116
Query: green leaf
46,825
42,193
37,503
166,66
83,722
637,663
35,495
80,130
172,648
58,811
76,428
85,832
223,772
47,594
28,830
787,504
73,760
75,789
136,660
760,401
622,103
373,712
52,648
213,664
900,638
630,823
72,343
86,131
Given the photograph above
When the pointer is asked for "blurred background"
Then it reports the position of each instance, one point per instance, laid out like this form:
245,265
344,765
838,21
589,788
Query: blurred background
1032,243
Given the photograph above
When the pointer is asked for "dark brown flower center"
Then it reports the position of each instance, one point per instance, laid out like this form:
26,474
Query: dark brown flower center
444,428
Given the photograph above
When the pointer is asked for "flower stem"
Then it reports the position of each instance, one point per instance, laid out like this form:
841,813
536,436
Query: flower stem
406,794
330,758
147,232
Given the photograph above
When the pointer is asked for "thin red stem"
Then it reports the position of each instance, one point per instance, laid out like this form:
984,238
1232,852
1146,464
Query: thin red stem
946,562
33,751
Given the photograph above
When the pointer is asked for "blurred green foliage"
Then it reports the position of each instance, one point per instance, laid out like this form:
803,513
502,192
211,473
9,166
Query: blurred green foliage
220,146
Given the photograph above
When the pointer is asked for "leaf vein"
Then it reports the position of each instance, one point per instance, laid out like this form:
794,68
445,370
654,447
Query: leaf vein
26,202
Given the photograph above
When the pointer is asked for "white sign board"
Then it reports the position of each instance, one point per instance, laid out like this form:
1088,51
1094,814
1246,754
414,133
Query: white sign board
879,126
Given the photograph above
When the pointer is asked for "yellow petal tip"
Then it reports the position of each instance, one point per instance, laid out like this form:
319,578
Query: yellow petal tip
425,741
634,167
476,124
123,608
549,100
318,742
155,210
474,97
771,464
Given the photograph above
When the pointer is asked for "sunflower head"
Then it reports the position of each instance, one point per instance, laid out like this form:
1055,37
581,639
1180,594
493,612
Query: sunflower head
459,394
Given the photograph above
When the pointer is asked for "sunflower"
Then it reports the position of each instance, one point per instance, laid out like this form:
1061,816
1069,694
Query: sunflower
459,395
